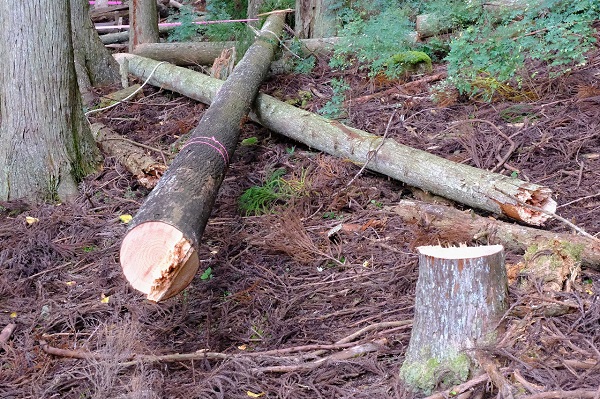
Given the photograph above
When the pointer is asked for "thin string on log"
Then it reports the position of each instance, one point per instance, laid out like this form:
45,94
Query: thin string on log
220,148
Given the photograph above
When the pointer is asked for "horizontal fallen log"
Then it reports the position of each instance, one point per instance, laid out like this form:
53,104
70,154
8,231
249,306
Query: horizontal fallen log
204,53
474,187
131,155
466,226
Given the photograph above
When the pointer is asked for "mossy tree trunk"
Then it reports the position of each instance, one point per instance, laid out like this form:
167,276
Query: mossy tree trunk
158,254
460,299
45,142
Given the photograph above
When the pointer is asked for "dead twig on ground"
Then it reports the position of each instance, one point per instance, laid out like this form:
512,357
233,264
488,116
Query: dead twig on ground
510,150
481,379
374,152
397,89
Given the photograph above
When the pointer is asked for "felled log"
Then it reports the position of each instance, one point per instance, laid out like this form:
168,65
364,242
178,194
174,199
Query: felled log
461,296
474,187
159,253
119,37
110,13
143,166
204,53
465,226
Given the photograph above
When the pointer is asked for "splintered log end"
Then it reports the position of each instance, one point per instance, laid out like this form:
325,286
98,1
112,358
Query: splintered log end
534,206
158,260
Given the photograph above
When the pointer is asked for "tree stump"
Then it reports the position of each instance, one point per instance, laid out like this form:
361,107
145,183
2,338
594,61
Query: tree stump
460,299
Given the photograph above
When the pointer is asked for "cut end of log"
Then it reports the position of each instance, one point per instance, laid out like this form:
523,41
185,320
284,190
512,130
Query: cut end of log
440,252
536,197
158,260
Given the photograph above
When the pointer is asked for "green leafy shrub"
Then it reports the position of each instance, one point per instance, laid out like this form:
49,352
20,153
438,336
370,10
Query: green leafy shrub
501,48
373,39
334,108
188,30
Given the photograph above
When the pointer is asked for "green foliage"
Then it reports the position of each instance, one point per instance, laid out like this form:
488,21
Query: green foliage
188,30
259,200
334,108
373,39
500,48
271,5
207,274
250,141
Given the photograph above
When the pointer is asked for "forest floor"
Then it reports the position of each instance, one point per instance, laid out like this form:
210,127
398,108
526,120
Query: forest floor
275,294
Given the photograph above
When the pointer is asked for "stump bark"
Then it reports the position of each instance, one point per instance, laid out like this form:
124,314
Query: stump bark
460,299
159,253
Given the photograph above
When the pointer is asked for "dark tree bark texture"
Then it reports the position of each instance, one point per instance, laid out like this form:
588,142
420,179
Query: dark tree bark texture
181,203
45,142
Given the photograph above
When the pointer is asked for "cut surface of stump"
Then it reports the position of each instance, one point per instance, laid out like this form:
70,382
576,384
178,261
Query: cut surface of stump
461,297
158,260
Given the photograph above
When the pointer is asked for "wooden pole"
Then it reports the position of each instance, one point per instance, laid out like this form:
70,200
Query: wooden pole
158,254
460,299
474,187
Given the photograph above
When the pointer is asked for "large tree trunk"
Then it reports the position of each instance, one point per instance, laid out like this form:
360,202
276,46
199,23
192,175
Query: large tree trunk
143,19
159,253
45,142
95,66
462,294
462,183
315,19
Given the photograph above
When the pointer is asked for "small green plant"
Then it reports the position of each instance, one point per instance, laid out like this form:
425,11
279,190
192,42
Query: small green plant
290,150
329,215
334,108
373,38
89,248
377,204
207,274
250,141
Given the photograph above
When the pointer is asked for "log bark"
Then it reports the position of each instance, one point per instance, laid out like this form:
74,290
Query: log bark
158,254
143,166
119,37
455,225
204,53
474,187
461,296
143,18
